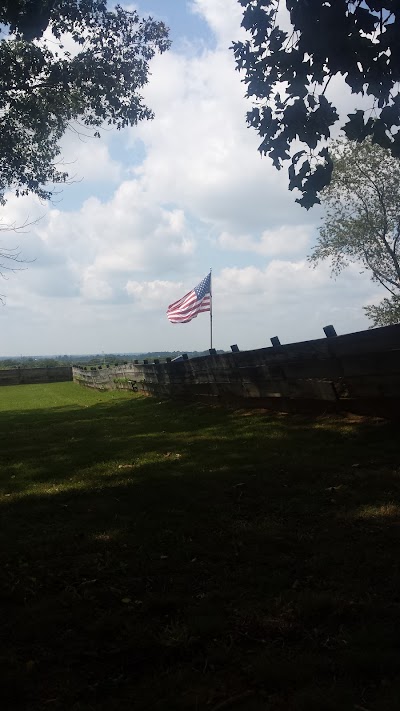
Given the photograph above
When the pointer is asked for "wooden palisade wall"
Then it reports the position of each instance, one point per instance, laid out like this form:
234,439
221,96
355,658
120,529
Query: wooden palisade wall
357,371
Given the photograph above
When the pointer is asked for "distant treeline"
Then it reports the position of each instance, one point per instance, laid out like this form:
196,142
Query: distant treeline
91,359
34,362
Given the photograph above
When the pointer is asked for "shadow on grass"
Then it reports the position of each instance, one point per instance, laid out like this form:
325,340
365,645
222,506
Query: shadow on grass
157,556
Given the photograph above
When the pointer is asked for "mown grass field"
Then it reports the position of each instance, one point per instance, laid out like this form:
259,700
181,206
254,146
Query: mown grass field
158,556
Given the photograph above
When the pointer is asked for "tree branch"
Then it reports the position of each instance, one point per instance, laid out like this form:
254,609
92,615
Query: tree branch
382,203
378,274
388,248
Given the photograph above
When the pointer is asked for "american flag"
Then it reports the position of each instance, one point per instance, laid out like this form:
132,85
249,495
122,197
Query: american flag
193,303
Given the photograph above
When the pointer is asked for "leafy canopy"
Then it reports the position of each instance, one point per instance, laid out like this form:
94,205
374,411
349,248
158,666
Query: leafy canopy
362,220
45,89
288,73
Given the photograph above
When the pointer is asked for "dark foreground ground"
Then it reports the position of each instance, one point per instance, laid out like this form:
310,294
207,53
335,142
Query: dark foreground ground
164,557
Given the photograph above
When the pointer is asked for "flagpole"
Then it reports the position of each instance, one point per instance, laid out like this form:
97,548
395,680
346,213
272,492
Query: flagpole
211,314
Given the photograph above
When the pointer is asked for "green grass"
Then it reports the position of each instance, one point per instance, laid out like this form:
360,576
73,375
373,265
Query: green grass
181,557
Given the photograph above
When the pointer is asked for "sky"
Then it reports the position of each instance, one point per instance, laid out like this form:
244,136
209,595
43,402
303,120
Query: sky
153,208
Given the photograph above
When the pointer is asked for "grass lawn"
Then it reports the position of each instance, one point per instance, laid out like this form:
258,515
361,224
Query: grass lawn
159,556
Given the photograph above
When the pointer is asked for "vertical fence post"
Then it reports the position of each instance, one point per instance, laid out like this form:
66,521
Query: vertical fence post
275,341
330,331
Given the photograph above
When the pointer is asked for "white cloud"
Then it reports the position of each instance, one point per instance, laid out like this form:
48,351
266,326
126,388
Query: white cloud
280,281
200,152
154,295
282,241
288,299
88,158
93,288
224,18
101,246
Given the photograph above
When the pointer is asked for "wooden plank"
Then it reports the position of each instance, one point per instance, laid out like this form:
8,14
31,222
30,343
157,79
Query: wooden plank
371,363
379,386
319,368
312,389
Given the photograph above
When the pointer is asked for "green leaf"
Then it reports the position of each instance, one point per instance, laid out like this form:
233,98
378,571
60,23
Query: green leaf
326,38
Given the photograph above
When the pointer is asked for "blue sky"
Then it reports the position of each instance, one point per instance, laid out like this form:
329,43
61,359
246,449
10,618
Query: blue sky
153,207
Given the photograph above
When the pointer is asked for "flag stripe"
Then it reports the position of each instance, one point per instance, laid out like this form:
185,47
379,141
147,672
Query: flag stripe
193,303
190,307
191,313
183,303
